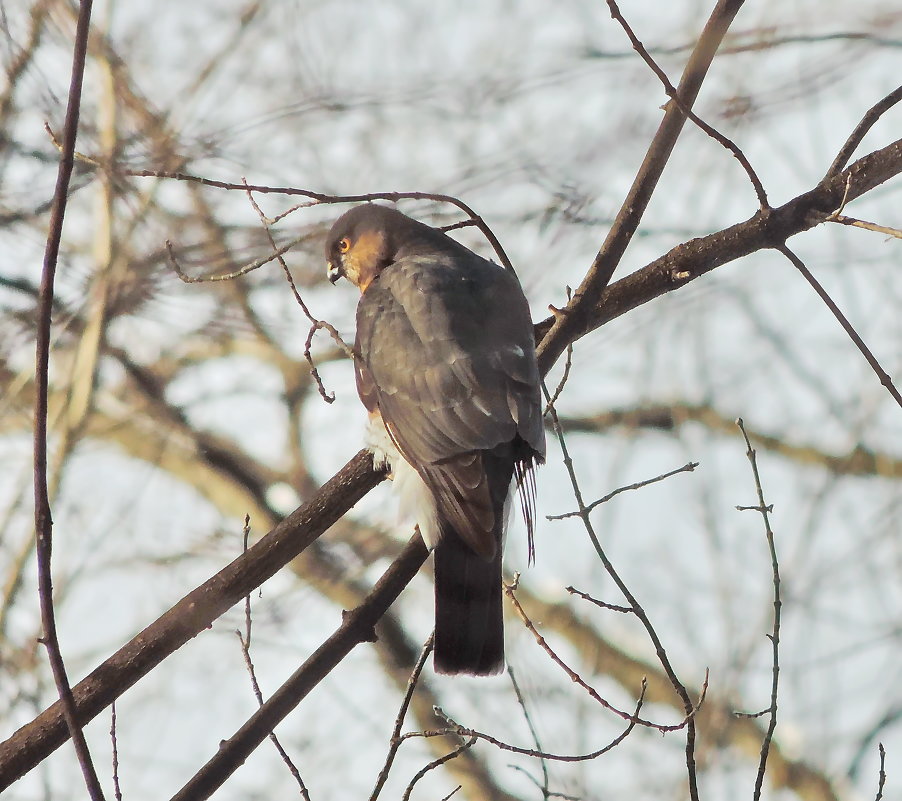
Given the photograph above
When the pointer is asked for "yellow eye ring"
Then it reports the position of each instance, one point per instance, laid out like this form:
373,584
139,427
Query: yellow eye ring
344,245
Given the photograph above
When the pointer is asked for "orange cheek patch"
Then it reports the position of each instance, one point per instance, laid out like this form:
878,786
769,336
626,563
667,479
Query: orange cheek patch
365,259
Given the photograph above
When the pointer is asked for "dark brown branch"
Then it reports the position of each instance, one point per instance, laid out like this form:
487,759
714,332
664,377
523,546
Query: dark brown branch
581,310
43,519
194,613
395,741
357,627
867,122
692,259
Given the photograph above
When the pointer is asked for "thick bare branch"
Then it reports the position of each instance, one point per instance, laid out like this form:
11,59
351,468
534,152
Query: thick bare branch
690,260
581,309
195,612
358,626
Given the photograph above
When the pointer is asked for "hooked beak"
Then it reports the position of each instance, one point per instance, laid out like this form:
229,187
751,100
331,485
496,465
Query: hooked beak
333,272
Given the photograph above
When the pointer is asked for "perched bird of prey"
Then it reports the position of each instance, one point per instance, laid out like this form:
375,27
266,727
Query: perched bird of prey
446,365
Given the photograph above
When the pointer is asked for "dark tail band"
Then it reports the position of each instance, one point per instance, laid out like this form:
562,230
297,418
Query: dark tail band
469,629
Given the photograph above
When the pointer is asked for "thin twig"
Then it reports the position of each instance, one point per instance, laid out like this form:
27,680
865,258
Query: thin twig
114,741
568,363
672,93
438,763
845,198
456,226
847,326
42,513
571,674
761,713
867,122
774,636
686,468
868,226
578,680
562,383
245,641
626,610
454,729
881,777
396,739
318,198
315,324
538,785
678,686
244,270
521,700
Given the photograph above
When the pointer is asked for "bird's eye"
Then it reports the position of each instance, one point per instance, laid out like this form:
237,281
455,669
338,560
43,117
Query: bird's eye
344,245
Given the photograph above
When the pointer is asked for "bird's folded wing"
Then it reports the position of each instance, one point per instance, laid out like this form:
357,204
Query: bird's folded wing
445,353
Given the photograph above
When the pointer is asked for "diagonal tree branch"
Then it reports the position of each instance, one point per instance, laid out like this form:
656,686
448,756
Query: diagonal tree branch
357,627
696,257
867,122
195,612
574,317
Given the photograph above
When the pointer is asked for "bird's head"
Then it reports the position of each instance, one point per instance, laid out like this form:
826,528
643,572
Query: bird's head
368,238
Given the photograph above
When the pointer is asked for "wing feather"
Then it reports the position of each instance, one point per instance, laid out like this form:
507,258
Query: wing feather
445,352
450,372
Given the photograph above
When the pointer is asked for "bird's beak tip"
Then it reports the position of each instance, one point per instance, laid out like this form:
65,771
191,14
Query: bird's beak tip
333,272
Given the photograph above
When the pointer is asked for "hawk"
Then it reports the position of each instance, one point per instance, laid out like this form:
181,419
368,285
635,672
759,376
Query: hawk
445,364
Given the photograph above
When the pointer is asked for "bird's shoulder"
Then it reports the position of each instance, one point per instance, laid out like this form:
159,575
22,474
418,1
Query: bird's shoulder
454,295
